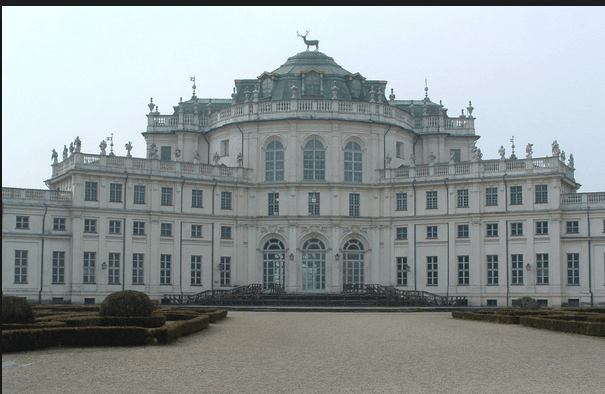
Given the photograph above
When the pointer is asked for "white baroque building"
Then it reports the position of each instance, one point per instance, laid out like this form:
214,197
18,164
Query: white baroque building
309,177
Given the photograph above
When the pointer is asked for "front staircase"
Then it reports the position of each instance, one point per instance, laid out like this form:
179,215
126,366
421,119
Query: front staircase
354,295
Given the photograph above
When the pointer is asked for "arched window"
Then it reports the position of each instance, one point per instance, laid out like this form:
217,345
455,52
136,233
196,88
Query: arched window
274,259
353,162
352,263
314,161
314,265
274,162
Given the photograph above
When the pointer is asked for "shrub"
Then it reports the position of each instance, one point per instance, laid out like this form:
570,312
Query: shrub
127,303
16,310
526,303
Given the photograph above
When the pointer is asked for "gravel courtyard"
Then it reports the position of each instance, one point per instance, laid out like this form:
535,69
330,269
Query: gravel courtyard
322,352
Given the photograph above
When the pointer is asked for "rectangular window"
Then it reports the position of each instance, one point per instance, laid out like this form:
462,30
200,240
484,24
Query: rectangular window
402,233
115,192
138,228
20,266
463,231
516,195
225,148
541,194
138,262
314,204
225,232
573,268
115,227
196,231
59,224
542,276
273,204
113,269
492,230
572,227
166,153
516,229
196,198
166,196
432,271
491,196
402,271
89,267
541,228
517,269
402,201
431,232
58,271
492,302
196,270
139,194
225,271
399,150
492,269
431,200
464,270
22,222
90,225
166,229
353,204
165,269
90,191
463,198
225,200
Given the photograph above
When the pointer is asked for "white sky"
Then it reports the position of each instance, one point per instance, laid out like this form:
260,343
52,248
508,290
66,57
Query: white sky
535,73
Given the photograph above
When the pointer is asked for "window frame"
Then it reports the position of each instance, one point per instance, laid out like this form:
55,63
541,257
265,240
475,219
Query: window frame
573,269
517,269
402,270
58,267
493,276
91,191
138,268
197,198
463,198
432,271
113,268
463,230
432,232
90,226
516,195
401,203
139,194
542,269
89,261
226,200
491,196
541,194
273,204
21,265
314,206
353,162
516,229
401,233
22,222
491,230
115,227
166,229
542,227
464,270
275,162
59,224
572,227
432,199
166,196
165,269
115,192
138,228
314,161
226,232
196,231
196,270
354,205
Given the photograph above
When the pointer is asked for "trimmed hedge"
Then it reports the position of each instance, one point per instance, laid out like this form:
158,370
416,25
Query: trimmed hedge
32,339
16,310
127,303
569,326
116,321
170,333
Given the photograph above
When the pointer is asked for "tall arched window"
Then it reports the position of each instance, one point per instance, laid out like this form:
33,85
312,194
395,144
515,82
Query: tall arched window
274,162
314,265
314,161
352,262
353,162
274,263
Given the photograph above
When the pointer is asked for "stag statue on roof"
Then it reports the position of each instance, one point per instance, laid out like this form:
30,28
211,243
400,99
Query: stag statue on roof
309,42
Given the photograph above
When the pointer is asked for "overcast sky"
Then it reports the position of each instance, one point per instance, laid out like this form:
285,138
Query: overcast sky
535,73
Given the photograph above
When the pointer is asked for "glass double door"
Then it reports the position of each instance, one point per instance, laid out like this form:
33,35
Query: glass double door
314,271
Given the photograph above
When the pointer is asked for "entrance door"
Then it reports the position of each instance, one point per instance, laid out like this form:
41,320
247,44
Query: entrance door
314,266
274,264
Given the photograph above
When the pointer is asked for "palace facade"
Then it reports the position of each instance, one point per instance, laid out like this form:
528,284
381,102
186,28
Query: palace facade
309,177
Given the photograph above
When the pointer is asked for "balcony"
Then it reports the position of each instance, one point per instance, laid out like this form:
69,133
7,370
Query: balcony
581,201
315,109
478,169
133,165
50,197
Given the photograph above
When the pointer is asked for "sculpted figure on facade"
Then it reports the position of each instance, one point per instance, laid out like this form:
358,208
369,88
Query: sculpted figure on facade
309,43
128,147
216,158
502,152
54,156
77,144
432,159
65,152
529,150
71,148
196,156
476,154
103,146
177,153
563,156
571,161
555,149
152,152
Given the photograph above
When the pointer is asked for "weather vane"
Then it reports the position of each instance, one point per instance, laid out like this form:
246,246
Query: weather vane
512,140
193,79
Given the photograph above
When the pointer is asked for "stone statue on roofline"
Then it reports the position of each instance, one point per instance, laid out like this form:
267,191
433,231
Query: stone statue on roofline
476,154
77,144
571,161
54,156
128,147
563,156
65,152
103,146
529,150
555,149
71,148
502,152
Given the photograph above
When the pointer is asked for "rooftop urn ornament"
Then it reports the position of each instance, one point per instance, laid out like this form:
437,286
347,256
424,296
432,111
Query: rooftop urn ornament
103,146
529,150
128,147
392,96
334,91
502,152
209,106
294,89
555,149
216,158
151,105
54,155
470,109
255,93
247,94
309,43
372,95
233,97
512,155
193,96
78,144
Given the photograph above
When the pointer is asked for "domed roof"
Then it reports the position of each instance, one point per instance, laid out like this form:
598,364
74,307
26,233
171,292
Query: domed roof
311,59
